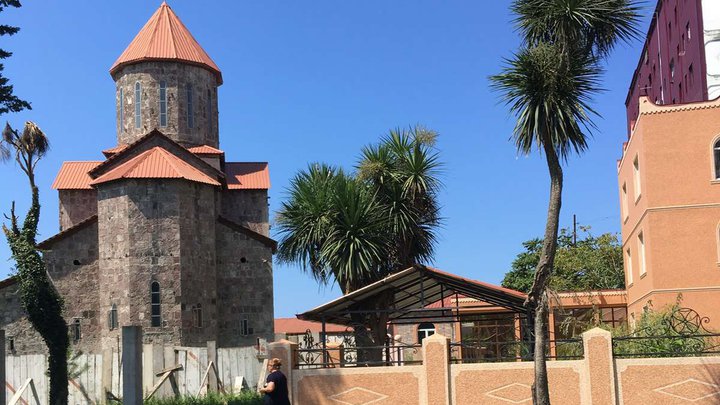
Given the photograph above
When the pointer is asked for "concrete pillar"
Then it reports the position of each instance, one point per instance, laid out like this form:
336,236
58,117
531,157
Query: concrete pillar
212,356
286,351
132,365
436,374
3,400
599,367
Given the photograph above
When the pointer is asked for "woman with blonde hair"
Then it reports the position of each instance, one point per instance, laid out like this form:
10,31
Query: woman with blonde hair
275,389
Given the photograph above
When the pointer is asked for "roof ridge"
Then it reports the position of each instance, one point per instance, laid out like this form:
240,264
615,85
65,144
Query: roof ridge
164,153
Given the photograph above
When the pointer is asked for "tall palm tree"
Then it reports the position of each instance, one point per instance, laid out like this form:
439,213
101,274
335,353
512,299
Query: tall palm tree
357,229
548,86
41,301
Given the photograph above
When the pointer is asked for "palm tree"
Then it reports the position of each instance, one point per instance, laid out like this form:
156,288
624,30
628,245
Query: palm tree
357,229
548,86
40,299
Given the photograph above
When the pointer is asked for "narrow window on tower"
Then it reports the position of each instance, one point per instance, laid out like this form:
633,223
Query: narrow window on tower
641,249
636,177
209,111
687,30
155,317
628,266
716,159
190,117
163,104
138,100
121,106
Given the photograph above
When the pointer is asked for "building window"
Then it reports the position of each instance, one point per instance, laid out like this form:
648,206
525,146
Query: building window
121,105
628,266
716,159
687,30
647,56
190,116
76,330
113,317
198,316
636,177
487,336
163,104
209,110
11,344
672,69
425,329
625,211
155,315
569,323
641,249
244,327
614,317
138,100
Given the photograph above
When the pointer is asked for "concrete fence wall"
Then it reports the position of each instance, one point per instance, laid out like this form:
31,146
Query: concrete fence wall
87,388
597,379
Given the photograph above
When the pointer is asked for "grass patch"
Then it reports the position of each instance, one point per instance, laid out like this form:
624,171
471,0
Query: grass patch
243,398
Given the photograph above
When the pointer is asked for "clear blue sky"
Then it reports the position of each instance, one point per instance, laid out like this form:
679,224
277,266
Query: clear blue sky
309,81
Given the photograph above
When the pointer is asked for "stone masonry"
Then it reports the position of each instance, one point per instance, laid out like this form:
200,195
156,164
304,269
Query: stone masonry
156,235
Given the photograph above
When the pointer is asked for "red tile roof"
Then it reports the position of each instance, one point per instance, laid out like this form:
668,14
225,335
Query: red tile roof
205,150
296,326
247,175
12,280
74,176
111,151
155,163
165,37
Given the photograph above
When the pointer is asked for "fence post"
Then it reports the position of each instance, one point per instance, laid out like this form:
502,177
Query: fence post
132,365
3,400
599,367
286,351
436,364
212,357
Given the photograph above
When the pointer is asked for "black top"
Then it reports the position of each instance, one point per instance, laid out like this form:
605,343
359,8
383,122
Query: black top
279,395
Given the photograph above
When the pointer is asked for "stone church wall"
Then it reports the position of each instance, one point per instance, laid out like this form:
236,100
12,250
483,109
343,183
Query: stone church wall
73,265
76,206
176,77
244,287
16,325
248,208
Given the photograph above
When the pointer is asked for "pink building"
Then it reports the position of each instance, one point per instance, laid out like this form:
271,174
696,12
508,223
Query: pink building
680,61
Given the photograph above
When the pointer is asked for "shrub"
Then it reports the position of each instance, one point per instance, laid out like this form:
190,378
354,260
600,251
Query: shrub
243,398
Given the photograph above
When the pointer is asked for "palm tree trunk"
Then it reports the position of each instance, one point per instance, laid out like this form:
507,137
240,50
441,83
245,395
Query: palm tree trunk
537,297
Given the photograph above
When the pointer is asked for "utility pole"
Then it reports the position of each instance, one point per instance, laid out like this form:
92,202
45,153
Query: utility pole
574,230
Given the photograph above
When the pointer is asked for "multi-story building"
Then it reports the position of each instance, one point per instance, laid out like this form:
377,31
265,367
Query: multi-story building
680,61
164,232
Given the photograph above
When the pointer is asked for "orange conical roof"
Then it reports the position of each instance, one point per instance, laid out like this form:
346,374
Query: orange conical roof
164,37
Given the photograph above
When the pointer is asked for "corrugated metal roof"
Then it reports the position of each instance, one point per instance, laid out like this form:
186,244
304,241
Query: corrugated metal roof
205,150
297,326
247,175
156,163
74,176
165,37
111,151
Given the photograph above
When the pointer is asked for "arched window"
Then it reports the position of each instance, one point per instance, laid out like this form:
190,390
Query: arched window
425,329
121,106
163,104
716,158
209,110
155,318
138,100
197,313
113,318
190,116
76,330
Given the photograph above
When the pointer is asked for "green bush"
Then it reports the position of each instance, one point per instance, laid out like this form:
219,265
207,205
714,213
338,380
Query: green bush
243,398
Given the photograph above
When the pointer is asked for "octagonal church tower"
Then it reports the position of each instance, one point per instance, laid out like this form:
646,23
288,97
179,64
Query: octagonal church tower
164,232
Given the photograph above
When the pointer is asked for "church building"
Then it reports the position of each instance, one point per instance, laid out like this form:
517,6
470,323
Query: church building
164,232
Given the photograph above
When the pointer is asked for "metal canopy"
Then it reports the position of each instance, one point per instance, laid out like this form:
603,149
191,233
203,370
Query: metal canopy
414,290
